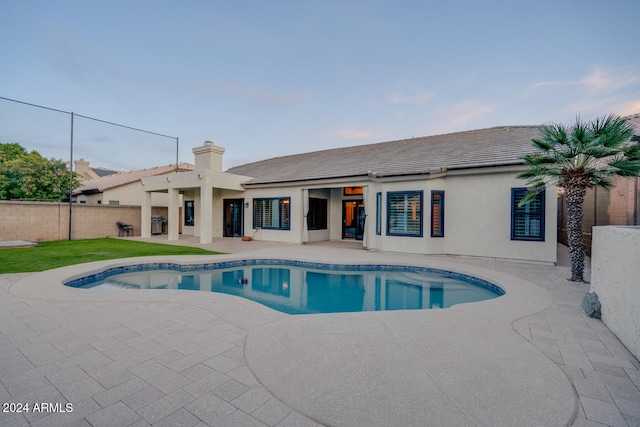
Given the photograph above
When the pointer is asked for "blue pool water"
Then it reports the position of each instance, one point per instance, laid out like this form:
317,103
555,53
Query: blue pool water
296,287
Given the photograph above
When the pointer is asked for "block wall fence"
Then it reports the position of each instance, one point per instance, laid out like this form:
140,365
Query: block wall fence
49,221
615,269
617,206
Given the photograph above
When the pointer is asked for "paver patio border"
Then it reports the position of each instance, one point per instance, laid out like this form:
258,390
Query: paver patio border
479,383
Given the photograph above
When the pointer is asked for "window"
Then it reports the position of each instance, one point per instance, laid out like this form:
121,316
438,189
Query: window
437,214
404,213
378,213
317,216
271,213
527,221
353,191
189,213
114,202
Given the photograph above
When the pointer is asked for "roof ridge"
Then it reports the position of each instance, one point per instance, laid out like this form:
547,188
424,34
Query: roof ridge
384,142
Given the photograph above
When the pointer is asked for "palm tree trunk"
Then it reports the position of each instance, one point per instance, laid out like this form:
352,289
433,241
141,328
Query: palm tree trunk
575,201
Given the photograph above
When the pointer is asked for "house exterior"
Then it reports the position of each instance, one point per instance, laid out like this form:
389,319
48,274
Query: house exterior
106,187
454,194
85,172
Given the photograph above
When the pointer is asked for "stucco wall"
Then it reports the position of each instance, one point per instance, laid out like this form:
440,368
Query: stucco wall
477,219
294,235
45,222
477,216
615,269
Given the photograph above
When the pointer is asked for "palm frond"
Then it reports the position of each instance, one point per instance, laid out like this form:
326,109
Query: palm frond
531,194
554,134
542,145
534,173
631,151
585,154
602,183
625,167
580,134
611,131
539,158
599,151
616,135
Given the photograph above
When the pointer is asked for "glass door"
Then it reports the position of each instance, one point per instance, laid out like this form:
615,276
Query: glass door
353,217
233,217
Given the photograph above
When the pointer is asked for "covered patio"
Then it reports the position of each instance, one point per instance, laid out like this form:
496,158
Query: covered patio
198,186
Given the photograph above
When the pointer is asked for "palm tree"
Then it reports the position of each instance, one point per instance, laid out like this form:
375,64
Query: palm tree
577,157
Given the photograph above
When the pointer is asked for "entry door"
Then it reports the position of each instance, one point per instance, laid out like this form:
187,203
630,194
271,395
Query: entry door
353,218
233,217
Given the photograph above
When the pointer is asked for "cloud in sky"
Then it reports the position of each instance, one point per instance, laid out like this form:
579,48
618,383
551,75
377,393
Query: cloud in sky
599,80
409,99
256,95
263,96
602,91
265,81
462,115
628,108
351,134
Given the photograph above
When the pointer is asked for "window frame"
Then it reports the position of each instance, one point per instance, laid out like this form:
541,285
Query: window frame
353,191
516,196
189,207
379,213
318,215
390,212
284,218
440,203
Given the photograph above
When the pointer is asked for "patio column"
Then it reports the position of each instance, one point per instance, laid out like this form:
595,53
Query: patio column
305,213
197,201
365,232
145,215
206,213
174,214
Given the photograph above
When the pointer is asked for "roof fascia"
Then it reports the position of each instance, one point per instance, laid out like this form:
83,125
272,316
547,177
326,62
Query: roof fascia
326,182
479,168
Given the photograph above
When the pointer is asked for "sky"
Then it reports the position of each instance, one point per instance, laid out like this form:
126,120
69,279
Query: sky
272,78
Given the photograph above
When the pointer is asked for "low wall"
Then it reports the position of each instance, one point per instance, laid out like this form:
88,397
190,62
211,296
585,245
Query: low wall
615,269
49,221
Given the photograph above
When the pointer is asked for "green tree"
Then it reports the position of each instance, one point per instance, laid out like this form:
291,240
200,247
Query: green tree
576,157
29,176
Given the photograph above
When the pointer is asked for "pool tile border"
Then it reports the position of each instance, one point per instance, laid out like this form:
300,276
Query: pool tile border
111,271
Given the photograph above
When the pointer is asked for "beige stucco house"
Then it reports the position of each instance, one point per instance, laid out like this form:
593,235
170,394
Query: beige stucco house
107,187
85,172
454,194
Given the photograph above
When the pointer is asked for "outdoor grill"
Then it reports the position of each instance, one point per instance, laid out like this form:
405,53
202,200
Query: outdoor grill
156,224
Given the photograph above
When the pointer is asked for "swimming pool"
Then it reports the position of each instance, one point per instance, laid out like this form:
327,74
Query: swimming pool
297,287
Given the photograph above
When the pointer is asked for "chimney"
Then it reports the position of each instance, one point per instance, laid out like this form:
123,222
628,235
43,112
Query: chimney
208,157
81,168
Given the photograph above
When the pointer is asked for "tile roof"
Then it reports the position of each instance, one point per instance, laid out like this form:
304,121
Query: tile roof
98,185
476,148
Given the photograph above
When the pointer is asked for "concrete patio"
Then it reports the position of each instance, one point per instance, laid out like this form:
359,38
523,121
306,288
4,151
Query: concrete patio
191,358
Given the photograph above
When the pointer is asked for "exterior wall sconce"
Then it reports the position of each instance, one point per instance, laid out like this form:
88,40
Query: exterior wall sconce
246,204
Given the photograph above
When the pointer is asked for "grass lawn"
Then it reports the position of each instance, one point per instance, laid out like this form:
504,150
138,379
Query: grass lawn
58,254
